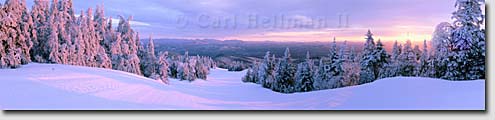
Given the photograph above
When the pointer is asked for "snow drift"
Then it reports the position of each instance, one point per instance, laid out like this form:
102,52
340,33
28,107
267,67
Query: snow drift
63,87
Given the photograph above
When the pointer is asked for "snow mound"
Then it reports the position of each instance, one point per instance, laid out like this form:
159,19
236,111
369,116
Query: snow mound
63,87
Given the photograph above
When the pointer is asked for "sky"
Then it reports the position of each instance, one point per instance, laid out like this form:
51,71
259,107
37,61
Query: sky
280,20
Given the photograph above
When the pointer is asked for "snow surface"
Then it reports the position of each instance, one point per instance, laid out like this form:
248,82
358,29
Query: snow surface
63,87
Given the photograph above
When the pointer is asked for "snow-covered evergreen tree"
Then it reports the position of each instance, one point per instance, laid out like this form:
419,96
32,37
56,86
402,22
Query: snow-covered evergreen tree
393,67
15,34
417,53
192,69
162,67
285,74
441,46
351,74
52,33
408,62
128,48
395,51
424,67
323,75
252,73
183,71
382,59
173,67
249,76
28,33
186,70
148,60
467,59
336,70
101,26
333,56
39,13
368,60
266,71
304,75
201,68
52,45
3,38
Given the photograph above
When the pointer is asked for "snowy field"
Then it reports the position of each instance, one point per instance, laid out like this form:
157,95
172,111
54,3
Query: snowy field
62,87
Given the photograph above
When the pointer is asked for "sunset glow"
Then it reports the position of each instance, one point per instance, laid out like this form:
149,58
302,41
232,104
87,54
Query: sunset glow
232,19
357,35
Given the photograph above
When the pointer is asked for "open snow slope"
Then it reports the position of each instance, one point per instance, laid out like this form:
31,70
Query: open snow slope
63,87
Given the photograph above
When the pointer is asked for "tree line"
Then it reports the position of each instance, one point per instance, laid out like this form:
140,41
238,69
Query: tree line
51,32
457,53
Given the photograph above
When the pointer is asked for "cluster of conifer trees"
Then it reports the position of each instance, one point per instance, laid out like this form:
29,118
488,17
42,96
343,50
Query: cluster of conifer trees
458,54
283,75
51,32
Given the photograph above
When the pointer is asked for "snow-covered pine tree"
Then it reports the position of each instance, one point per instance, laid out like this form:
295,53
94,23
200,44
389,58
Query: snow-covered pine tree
212,64
351,73
285,74
236,66
467,61
408,62
192,68
417,53
3,38
142,51
252,73
248,77
393,67
266,71
128,45
395,51
27,33
101,27
162,67
116,51
14,41
39,13
333,55
182,71
424,67
109,36
66,20
201,69
10,55
186,68
92,43
368,61
75,37
441,46
79,44
336,70
173,67
382,60
3,61
322,75
185,57
101,35
52,45
148,59
304,75
255,75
